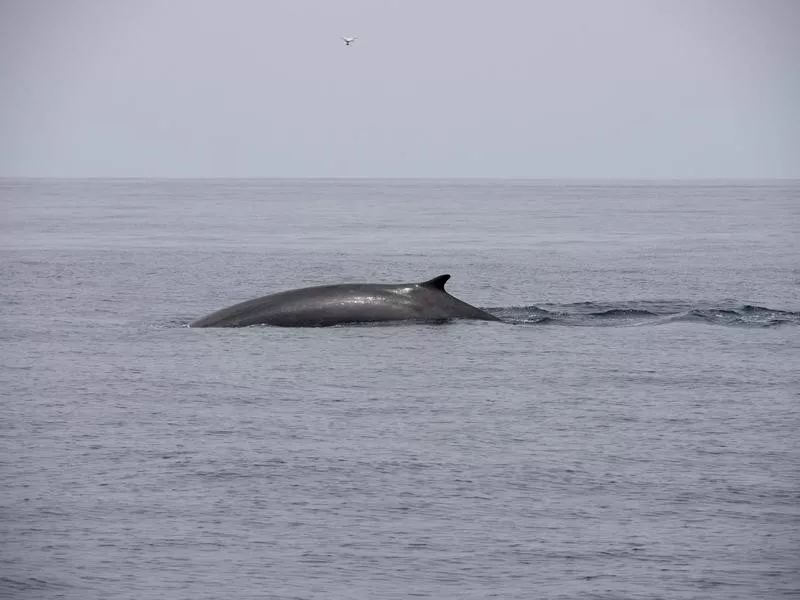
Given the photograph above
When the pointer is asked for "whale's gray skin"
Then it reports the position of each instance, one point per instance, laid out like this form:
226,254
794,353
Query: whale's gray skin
327,305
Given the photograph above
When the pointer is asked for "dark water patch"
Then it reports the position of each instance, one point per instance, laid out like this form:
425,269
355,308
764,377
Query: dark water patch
621,313
638,313
744,316
527,315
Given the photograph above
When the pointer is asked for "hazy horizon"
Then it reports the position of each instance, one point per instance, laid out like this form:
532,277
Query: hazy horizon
547,180
621,90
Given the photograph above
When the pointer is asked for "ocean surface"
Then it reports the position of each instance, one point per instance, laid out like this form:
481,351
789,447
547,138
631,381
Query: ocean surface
629,431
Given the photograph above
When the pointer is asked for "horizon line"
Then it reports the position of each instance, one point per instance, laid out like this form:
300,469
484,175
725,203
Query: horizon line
389,178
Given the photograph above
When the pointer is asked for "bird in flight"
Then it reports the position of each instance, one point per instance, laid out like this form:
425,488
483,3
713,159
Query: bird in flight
349,40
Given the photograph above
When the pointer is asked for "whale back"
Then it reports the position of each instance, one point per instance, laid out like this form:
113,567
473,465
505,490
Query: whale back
326,305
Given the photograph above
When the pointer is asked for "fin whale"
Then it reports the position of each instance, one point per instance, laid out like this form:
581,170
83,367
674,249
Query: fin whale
327,305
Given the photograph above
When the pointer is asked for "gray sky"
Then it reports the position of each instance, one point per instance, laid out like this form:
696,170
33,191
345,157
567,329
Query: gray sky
432,88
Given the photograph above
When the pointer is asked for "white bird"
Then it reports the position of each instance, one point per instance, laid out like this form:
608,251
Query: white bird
349,40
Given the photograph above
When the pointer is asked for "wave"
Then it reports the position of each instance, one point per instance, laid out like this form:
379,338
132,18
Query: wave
646,312
28,584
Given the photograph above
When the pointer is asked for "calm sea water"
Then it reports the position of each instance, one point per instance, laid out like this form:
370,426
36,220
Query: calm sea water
629,431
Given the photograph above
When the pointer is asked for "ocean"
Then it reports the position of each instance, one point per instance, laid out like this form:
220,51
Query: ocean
628,431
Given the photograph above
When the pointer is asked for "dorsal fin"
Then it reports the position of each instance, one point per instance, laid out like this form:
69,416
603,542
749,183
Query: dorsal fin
436,283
